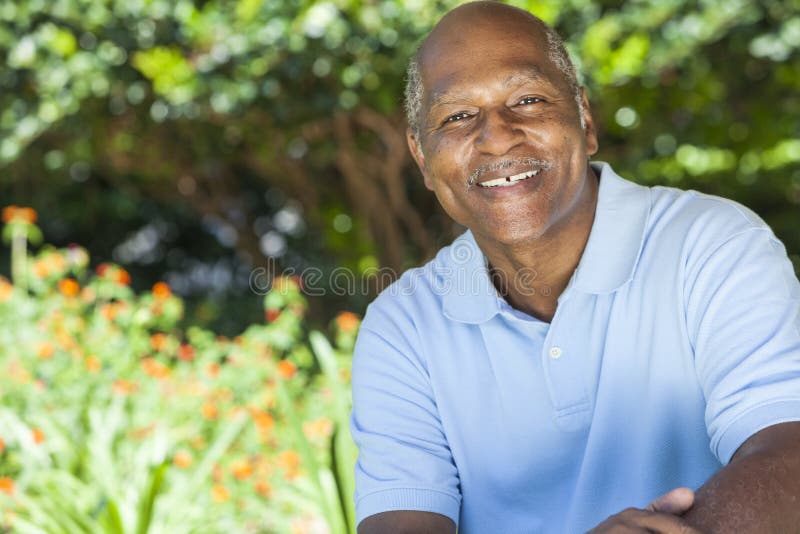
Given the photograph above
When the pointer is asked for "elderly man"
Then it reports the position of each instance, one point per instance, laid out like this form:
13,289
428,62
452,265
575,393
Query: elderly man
590,351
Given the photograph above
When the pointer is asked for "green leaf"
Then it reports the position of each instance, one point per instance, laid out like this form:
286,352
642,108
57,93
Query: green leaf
148,499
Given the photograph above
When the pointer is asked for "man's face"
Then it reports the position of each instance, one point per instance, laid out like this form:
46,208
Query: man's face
495,108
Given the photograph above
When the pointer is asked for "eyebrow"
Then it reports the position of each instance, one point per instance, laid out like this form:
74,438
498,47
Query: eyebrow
530,74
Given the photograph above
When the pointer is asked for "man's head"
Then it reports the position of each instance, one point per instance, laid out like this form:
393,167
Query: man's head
498,123
556,52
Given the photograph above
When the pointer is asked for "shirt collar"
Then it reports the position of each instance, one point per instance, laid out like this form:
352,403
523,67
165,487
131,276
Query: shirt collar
615,241
608,261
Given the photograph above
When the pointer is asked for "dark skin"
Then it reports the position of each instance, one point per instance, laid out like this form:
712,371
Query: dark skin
492,94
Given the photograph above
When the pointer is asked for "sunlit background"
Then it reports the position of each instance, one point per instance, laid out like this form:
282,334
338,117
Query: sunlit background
173,150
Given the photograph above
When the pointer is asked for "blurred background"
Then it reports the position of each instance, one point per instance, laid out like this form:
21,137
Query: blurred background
195,140
173,148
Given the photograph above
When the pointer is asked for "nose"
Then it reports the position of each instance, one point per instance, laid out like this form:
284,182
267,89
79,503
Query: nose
498,133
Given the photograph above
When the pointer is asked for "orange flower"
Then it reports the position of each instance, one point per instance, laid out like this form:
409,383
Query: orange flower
155,368
263,488
212,370
124,387
220,493
286,369
264,420
347,321
88,294
186,352
93,363
46,350
209,410
109,311
159,341
114,273
16,214
6,289
123,278
182,459
289,460
217,474
65,340
161,290
56,261
241,469
142,432
321,428
8,213
7,485
198,442
68,287
38,435
41,269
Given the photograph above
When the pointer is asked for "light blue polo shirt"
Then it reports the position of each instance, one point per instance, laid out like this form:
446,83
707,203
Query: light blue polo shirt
677,338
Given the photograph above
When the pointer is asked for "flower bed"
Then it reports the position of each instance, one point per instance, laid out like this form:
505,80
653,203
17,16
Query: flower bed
114,420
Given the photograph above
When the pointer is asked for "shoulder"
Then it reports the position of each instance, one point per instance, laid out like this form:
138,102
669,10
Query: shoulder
416,297
699,224
414,302
701,212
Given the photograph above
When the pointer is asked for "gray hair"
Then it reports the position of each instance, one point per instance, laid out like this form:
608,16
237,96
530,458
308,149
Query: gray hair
556,52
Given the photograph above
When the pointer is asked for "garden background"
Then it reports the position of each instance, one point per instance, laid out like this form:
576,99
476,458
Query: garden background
202,197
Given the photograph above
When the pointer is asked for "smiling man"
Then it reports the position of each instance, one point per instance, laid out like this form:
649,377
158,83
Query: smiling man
590,352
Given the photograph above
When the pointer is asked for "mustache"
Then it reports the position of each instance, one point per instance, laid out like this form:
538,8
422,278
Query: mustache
505,164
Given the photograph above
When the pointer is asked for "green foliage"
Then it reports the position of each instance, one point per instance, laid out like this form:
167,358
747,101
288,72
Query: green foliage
205,108
116,421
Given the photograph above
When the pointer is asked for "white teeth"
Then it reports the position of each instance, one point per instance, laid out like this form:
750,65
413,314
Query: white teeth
508,180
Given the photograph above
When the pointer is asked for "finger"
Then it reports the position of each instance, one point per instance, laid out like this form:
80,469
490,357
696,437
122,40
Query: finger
661,523
675,502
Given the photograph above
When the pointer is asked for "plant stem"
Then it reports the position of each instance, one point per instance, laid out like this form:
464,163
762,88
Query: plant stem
19,256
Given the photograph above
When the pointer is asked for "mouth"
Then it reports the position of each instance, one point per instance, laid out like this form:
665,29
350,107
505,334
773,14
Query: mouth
507,181
492,175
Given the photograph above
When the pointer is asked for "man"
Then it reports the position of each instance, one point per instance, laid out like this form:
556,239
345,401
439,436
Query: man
591,350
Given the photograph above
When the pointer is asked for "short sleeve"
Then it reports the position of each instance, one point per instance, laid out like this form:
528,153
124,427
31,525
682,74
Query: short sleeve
743,316
404,462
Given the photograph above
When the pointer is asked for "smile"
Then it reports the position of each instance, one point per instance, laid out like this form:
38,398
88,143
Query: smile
509,180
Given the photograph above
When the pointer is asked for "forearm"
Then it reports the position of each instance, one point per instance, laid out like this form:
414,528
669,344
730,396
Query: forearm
756,493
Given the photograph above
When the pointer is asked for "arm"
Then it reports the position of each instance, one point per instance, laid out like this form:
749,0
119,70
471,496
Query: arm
758,491
406,478
743,313
407,522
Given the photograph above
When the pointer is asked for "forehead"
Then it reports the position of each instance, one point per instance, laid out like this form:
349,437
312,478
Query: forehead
499,50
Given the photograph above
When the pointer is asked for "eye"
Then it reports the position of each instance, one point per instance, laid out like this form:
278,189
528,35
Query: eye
455,118
529,100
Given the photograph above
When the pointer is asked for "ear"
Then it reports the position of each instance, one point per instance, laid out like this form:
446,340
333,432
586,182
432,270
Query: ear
590,132
415,147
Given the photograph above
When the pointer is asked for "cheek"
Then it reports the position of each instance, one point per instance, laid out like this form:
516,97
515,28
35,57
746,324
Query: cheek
447,160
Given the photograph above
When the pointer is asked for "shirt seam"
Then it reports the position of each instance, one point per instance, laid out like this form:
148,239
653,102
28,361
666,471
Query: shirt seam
724,431
455,497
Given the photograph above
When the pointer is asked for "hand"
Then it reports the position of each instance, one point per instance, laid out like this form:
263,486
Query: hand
661,516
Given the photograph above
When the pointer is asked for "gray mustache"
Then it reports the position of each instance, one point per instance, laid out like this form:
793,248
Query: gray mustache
505,164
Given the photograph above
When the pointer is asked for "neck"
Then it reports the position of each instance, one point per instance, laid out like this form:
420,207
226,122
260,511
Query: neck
531,275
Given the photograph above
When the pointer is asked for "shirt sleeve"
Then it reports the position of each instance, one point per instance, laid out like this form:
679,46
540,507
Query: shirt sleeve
743,314
404,462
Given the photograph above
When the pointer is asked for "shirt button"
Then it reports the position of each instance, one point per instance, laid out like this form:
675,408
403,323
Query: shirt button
555,352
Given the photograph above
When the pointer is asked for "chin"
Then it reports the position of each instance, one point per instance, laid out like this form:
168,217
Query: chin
510,235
